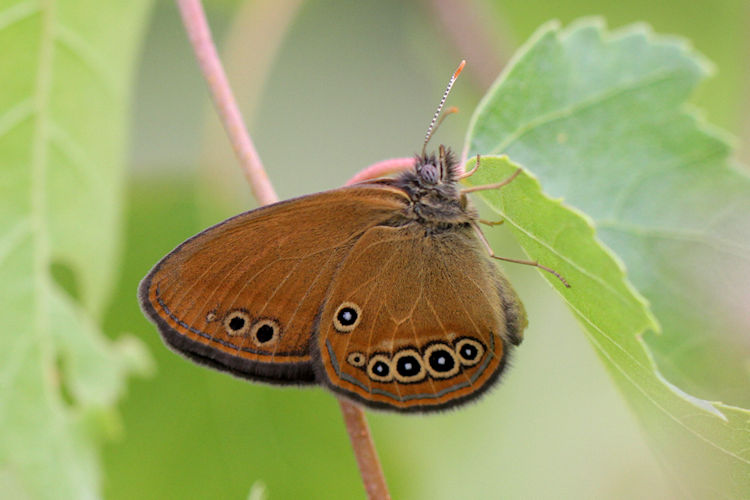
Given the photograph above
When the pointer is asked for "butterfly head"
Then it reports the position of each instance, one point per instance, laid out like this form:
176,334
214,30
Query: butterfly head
433,190
436,200
433,171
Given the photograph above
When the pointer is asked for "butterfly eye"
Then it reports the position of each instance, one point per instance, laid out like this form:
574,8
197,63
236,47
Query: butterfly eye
347,317
379,368
237,322
441,361
265,331
408,366
469,351
430,173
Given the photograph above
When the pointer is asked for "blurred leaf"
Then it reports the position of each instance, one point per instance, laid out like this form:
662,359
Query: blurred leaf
258,491
63,118
599,119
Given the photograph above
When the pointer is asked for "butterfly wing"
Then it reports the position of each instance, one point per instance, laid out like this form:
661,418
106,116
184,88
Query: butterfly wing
417,320
242,296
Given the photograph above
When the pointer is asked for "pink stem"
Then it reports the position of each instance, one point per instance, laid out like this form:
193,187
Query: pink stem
200,37
367,457
382,168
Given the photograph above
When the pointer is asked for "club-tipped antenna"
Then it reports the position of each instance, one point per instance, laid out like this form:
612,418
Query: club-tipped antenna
431,128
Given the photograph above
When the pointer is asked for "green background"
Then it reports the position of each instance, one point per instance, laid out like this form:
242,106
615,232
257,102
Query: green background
353,83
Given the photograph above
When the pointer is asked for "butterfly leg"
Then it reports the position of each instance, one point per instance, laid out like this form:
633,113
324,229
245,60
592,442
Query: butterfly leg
449,111
491,186
470,172
517,261
491,222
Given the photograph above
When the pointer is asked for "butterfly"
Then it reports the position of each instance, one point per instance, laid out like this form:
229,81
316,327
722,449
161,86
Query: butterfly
384,292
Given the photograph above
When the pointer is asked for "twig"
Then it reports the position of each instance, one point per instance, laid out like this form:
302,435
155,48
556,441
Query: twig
256,23
200,38
364,449
196,26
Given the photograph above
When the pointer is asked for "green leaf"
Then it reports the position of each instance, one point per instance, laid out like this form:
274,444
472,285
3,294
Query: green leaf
600,120
63,121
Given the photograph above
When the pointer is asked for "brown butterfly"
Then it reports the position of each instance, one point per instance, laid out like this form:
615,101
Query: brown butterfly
385,292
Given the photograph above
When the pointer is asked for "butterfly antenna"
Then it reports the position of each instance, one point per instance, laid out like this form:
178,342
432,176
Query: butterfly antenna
431,128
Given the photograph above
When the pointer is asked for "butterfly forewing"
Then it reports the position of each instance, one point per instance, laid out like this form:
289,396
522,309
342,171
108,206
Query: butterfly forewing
416,320
242,296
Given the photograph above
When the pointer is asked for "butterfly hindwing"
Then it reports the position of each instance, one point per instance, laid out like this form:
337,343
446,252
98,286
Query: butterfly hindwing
242,296
417,320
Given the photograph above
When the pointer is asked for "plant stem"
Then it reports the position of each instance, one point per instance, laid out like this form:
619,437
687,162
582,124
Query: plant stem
256,23
382,168
198,31
364,447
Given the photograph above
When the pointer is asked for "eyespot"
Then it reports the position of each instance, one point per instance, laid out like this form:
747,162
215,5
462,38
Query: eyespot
469,351
356,359
237,322
440,361
379,368
265,332
211,316
347,317
408,366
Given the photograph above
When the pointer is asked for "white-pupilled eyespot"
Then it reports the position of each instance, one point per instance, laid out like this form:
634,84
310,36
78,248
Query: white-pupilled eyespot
408,366
379,368
469,351
441,361
347,317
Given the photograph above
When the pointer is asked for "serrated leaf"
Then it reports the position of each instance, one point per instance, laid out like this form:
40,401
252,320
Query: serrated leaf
63,120
600,120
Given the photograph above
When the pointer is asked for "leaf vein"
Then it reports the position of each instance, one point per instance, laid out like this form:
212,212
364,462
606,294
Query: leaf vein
16,116
734,248
13,238
573,264
597,99
88,56
643,391
17,13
